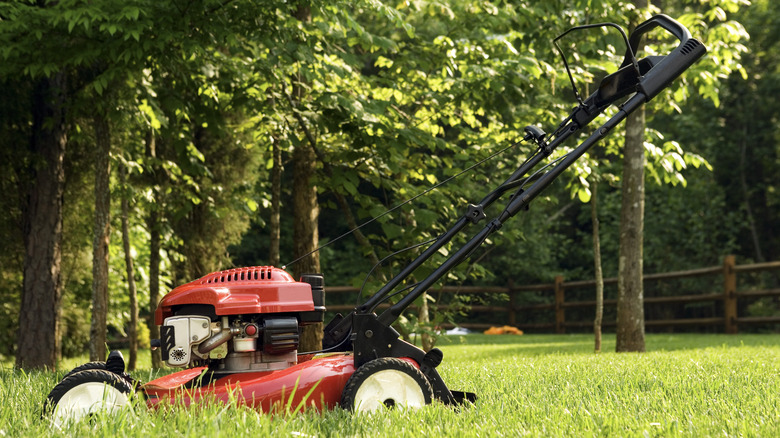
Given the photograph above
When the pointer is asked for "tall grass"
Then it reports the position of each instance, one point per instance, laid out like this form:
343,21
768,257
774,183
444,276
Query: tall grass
538,385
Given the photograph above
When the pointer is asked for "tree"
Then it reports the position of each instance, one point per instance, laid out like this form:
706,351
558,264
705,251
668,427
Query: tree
100,242
305,206
14,174
744,134
38,336
305,231
129,269
594,217
276,201
631,320
369,113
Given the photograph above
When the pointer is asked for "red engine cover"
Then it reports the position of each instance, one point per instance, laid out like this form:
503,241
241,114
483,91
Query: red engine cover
254,290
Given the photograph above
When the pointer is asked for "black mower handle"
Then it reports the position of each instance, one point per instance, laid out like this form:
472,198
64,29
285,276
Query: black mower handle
647,76
372,336
670,24
670,66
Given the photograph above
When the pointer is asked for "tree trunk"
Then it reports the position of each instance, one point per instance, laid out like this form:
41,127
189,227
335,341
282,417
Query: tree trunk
759,254
594,218
154,280
153,225
276,204
306,231
305,207
100,239
630,302
38,339
131,289
630,329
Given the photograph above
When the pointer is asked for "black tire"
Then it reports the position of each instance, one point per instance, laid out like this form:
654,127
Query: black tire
387,382
99,365
96,365
84,393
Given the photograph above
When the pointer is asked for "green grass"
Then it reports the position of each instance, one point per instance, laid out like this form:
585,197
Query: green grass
534,385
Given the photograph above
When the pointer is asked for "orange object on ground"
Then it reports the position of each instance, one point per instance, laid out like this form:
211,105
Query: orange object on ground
505,330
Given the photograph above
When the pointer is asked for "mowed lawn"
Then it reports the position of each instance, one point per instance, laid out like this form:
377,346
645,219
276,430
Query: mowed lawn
532,385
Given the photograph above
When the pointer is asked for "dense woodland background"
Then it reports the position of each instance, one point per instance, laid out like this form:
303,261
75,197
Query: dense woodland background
183,136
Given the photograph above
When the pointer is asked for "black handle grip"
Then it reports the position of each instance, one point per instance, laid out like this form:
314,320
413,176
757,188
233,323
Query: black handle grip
672,65
670,24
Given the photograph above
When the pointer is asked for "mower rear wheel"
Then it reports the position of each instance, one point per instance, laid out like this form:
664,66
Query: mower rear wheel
96,365
85,393
114,364
386,382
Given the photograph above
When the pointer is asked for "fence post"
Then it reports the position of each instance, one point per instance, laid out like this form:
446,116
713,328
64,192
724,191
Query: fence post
560,316
730,295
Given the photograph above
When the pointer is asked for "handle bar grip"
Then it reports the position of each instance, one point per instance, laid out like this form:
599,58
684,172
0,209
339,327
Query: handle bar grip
670,24
672,65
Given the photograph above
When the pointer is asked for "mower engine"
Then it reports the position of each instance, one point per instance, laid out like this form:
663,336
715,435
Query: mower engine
239,320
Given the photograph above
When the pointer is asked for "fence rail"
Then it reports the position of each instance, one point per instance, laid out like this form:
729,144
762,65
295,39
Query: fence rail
729,296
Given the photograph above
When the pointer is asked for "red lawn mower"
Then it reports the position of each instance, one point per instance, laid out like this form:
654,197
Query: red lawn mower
235,333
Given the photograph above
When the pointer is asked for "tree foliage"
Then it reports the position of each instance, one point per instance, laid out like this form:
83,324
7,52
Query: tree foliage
391,99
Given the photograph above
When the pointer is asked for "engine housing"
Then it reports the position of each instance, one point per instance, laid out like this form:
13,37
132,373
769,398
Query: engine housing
244,319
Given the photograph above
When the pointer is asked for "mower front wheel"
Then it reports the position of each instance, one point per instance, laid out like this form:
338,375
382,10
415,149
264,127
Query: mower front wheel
85,393
386,382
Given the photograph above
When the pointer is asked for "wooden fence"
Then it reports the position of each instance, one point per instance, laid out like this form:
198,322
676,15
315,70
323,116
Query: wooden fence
729,296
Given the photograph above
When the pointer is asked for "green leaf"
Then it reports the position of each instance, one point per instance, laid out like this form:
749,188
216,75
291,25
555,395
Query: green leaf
584,195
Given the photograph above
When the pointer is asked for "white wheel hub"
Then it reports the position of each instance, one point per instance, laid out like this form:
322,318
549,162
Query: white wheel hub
86,399
391,388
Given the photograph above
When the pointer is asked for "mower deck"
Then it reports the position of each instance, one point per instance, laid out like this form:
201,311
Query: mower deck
317,382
